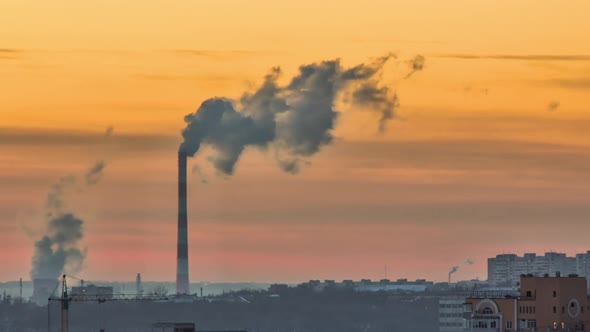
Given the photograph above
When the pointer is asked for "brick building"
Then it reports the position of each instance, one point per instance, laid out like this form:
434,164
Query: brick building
545,304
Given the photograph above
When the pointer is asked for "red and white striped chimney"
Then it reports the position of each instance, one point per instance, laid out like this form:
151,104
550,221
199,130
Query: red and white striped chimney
182,280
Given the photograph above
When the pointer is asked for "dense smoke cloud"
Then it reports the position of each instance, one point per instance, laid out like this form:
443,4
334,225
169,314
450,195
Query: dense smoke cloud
296,119
59,250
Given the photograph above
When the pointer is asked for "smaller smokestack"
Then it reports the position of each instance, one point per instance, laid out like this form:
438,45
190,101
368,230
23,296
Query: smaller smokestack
20,288
450,278
138,287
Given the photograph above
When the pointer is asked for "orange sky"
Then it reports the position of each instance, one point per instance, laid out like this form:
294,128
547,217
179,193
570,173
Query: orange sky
476,163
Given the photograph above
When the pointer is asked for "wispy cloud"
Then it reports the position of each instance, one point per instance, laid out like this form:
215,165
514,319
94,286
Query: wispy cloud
175,77
525,57
57,137
10,53
571,83
217,55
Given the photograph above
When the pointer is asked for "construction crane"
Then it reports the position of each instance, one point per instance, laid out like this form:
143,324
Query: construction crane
65,298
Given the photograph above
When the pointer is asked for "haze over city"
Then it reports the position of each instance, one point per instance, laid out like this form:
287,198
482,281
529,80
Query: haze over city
473,141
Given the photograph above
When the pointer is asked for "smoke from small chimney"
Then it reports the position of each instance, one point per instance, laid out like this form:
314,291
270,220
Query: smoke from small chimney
456,268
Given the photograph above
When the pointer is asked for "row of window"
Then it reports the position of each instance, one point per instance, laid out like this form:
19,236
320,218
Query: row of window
527,324
451,324
572,305
526,310
451,305
450,315
482,324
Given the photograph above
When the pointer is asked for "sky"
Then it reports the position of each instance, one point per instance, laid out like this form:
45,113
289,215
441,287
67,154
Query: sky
487,152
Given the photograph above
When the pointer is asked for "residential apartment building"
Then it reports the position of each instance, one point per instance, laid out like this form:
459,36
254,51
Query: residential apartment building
450,314
505,270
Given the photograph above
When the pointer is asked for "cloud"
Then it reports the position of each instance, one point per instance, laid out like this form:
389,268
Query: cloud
175,77
571,83
217,54
65,137
528,57
10,53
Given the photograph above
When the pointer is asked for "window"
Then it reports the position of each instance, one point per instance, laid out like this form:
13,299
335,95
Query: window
529,294
532,324
487,311
554,294
509,324
563,310
493,324
554,310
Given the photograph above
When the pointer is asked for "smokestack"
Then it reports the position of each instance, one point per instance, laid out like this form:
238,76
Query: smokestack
182,280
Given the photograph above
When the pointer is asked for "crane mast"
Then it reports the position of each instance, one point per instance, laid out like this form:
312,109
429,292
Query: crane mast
65,306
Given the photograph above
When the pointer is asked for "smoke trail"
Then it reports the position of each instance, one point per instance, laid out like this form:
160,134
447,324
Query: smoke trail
456,268
197,170
58,249
109,132
55,197
297,119
417,64
94,173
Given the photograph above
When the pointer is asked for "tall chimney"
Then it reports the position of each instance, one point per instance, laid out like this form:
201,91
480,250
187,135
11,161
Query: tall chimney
182,280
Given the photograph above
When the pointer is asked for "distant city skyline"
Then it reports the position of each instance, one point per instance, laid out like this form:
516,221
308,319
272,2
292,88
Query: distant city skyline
486,151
